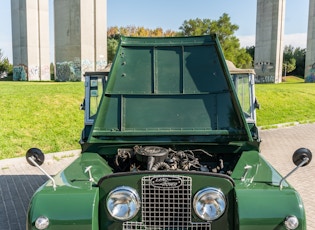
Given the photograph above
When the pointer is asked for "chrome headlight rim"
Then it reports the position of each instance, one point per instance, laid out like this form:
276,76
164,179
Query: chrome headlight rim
124,194
208,201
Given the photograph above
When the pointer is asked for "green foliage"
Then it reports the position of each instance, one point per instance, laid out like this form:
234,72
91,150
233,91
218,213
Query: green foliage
193,27
233,52
289,62
251,51
114,34
225,31
196,27
293,60
112,45
52,71
5,65
288,66
299,56
52,68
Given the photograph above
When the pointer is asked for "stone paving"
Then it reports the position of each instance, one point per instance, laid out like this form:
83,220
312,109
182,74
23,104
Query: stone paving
18,180
278,146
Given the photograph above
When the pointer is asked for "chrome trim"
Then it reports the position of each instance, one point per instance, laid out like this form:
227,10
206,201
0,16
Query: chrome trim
166,207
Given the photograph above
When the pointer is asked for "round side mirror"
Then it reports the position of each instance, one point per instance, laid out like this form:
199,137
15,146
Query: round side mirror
36,154
300,155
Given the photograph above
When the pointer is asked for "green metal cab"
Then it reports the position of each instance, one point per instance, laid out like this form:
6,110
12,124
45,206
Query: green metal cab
170,142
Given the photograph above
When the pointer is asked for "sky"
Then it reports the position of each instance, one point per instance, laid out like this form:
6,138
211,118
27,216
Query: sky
170,14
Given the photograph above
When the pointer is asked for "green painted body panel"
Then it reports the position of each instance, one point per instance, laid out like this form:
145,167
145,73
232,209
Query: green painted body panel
176,96
68,208
74,203
261,204
265,208
153,84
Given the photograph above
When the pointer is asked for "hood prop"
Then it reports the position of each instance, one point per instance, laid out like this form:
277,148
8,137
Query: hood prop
88,170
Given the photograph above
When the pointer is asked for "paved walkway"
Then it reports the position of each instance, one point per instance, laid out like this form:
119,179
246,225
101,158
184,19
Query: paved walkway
278,147
18,180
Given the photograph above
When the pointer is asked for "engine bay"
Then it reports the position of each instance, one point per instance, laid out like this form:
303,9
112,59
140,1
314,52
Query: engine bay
156,158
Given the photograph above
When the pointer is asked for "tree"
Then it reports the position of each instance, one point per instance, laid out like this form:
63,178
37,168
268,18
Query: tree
225,30
193,27
289,62
289,66
112,45
52,71
251,51
196,27
299,55
114,34
293,60
5,65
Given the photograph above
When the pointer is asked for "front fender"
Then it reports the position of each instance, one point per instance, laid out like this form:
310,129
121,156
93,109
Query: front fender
74,202
267,209
66,208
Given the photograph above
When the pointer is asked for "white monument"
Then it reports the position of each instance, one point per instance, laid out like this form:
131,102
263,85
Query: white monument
30,40
310,49
269,40
80,38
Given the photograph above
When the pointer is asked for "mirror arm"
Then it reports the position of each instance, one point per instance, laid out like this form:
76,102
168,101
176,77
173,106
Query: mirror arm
305,160
41,169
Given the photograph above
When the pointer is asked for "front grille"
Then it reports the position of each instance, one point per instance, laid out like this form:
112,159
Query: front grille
166,204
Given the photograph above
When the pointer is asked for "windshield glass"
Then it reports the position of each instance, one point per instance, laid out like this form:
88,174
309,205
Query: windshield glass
96,91
242,86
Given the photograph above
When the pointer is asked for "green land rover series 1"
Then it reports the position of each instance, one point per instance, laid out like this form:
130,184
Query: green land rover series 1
169,142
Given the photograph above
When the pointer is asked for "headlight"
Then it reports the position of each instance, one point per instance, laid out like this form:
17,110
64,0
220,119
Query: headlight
291,222
123,203
42,222
209,204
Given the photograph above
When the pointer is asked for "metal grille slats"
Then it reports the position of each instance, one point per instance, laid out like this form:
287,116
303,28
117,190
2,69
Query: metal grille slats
166,207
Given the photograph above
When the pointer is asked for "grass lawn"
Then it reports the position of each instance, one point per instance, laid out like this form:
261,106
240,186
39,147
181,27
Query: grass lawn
46,115
40,114
289,102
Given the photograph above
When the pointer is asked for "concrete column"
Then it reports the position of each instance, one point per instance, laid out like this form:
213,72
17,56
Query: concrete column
100,34
44,42
80,37
269,40
310,48
30,39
